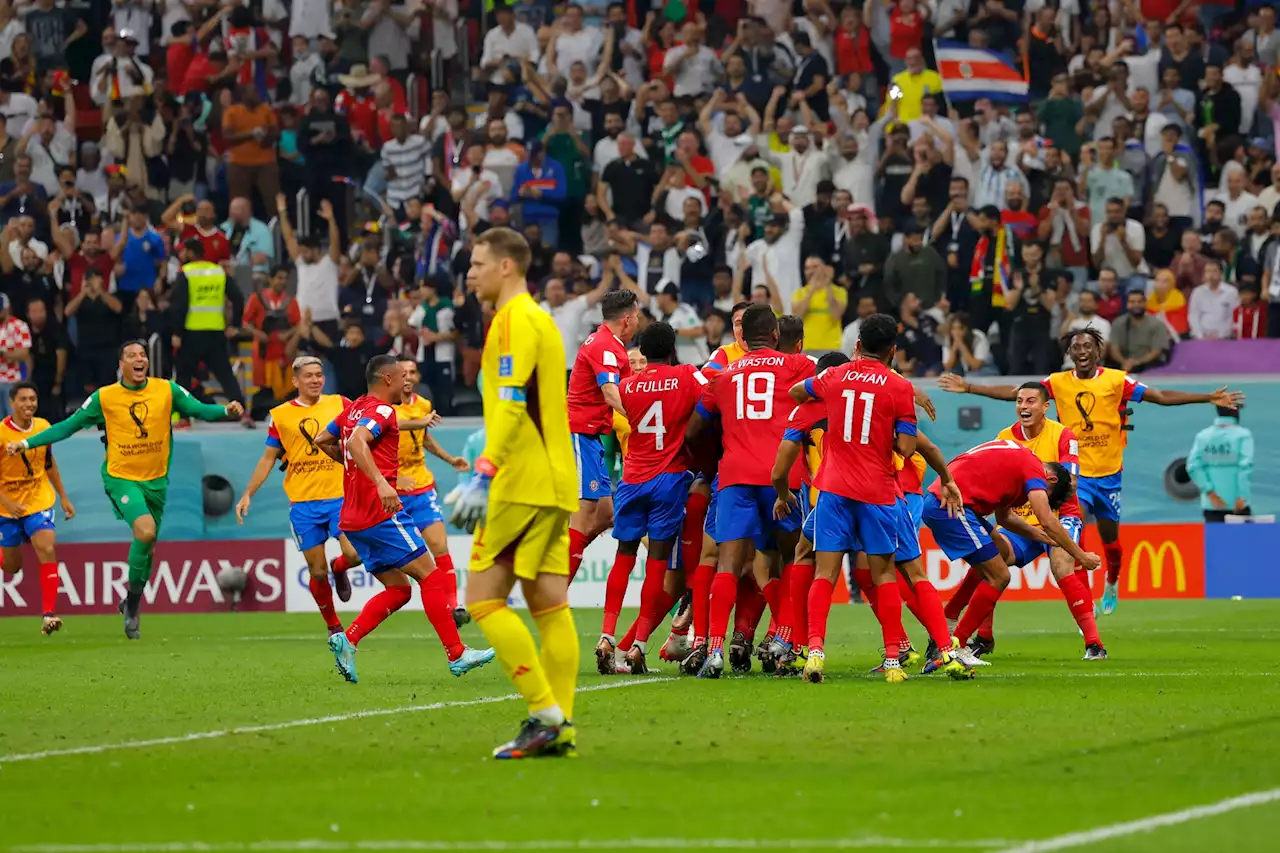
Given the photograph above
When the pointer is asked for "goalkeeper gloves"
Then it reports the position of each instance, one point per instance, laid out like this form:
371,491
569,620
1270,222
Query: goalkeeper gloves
472,504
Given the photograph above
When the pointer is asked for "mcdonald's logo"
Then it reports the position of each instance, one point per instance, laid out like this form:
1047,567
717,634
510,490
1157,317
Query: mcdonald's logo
1156,559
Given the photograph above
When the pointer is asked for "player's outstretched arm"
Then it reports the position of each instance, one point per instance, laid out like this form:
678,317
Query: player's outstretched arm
270,456
1170,397
433,447
89,414
1039,501
1014,523
960,385
189,407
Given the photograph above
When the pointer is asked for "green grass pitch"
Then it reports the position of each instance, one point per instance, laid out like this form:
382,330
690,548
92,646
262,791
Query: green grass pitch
1041,745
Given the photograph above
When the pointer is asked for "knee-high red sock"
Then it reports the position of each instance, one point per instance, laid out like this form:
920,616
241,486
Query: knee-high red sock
1083,574
615,590
724,595
703,576
862,577
930,614
980,607
960,598
323,594
988,627
800,583
444,563
341,563
889,612
577,544
652,598
1114,554
819,609
695,517
376,610
750,607
908,597
772,592
786,603
49,588
435,603
1081,604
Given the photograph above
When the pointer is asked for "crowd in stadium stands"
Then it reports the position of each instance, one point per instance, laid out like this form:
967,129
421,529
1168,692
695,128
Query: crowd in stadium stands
800,153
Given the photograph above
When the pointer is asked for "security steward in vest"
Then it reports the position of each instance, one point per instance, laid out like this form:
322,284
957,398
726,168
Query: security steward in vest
201,294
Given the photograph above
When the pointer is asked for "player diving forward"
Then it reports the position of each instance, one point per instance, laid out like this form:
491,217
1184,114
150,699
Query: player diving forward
136,413
1093,402
994,479
365,436
28,483
312,481
519,500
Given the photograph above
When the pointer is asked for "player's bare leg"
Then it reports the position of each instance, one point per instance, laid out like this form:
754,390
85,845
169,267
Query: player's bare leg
734,558
1113,554
437,538
1075,590
348,559
321,591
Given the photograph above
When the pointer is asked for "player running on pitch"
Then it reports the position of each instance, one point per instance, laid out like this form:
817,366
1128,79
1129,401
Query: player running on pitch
312,481
137,414
366,437
417,485
28,483
655,483
1093,402
995,478
750,398
592,399
519,500
1050,441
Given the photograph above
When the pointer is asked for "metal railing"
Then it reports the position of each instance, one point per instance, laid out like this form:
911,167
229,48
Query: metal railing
303,224
277,239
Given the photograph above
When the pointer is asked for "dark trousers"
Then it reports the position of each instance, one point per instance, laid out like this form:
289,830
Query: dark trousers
1217,516
438,375
209,348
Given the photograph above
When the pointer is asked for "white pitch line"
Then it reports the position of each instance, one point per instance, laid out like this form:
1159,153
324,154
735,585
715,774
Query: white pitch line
876,842
1147,824
294,724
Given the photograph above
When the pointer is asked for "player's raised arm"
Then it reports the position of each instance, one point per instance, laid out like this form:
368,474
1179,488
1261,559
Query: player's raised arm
189,407
89,414
271,454
960,385
1169,397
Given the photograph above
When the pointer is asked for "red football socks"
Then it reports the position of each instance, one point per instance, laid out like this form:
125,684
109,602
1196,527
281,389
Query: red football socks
786,613
772,592
435,603
341,563
444,563
930,614
724,595
652,598
323,594
960,598
695,518
889,611
751,606
377,610
819,609
577,545
862,577
1081,604
615,590
48,588
703,577
908,597
800,583
1114,555
980,607
988,627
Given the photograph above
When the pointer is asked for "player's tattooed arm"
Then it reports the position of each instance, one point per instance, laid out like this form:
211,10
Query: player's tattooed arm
960,385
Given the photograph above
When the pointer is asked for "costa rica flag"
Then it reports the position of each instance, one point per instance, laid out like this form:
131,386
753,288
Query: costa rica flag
969,73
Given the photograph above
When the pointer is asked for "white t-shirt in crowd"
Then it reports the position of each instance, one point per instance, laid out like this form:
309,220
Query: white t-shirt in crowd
568,319
1115,256
318,288
1236,215
1209,312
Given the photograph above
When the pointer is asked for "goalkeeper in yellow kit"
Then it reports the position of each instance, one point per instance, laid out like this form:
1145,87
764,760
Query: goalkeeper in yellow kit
519,500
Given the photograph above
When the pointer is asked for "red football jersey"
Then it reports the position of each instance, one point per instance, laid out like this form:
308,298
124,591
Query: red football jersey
751,397
802,423
867,406
659,401
602,359
995,476
361,506
217,248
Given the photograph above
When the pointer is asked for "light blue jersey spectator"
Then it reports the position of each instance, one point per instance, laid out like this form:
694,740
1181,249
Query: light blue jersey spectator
250,238
1221,465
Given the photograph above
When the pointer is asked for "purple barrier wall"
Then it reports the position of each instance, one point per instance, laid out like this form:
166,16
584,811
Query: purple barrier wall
1216,357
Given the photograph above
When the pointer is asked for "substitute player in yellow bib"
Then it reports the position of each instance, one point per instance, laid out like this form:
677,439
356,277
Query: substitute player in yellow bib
312,481
416,484
1093,402
519,500
137,414
28,482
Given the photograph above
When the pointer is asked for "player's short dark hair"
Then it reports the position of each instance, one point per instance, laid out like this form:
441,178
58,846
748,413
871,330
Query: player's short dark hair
758,323
877,334
1037,387
1224,412
1062,490
835,358
790,333
376,367
739,306
658,343
616,303
194,246
19,386
505,243
124,346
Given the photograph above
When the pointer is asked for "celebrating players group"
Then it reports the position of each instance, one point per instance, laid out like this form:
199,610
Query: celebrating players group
749,482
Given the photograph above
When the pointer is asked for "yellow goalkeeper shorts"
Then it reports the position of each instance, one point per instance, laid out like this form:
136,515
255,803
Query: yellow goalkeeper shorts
531,539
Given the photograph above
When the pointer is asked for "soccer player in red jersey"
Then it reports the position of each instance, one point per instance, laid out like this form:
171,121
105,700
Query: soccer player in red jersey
592,399
871,414
654,489
750,396
995,478
366,439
